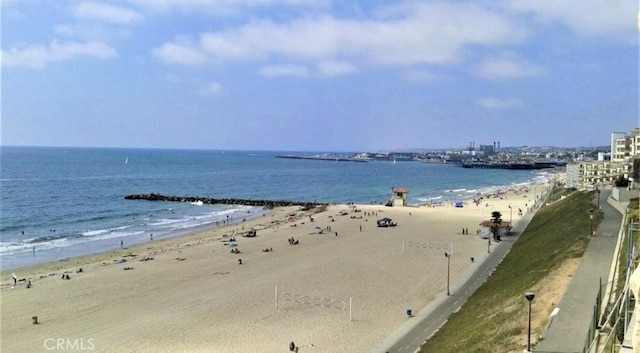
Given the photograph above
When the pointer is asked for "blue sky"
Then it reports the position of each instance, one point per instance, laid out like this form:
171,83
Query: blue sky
317,75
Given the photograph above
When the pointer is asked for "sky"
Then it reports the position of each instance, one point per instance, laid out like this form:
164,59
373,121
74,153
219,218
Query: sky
317,75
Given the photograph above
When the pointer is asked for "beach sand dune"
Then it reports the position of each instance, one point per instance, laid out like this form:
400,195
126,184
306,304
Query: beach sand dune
191,294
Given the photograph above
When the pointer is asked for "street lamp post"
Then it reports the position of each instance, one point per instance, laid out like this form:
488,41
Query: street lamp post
510,213
598,191
591,222
489,245
448,256
529,296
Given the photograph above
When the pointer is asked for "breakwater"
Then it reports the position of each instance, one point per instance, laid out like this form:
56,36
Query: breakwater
227,201
324,158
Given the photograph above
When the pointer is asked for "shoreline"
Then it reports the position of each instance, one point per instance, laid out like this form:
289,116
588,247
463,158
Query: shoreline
177,286
96,247
80,237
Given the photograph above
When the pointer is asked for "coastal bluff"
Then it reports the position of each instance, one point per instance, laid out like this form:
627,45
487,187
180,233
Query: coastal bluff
226,201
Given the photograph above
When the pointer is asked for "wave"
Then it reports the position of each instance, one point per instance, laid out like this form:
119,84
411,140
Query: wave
16,247
428,199
116,235
165,221
90,233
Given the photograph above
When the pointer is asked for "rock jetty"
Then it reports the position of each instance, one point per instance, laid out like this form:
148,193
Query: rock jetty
209,200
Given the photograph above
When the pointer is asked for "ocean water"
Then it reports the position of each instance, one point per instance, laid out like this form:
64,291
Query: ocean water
57,203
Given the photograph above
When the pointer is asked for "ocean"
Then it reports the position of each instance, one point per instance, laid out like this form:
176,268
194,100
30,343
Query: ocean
57,203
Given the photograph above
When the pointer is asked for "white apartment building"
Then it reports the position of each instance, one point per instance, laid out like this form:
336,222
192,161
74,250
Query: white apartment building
625,146
590,174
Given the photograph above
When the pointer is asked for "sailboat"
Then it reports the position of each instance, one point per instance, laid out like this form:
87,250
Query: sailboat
126,160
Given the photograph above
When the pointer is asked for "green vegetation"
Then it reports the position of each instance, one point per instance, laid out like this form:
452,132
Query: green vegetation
494,317
496,219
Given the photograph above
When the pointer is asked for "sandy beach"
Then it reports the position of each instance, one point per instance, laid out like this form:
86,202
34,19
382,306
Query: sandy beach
191,294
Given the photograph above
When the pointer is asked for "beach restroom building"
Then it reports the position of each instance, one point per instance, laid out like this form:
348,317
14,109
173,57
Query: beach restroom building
485,229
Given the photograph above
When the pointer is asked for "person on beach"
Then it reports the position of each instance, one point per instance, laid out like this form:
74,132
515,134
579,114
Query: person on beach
28,284
239,261
121,244
151,237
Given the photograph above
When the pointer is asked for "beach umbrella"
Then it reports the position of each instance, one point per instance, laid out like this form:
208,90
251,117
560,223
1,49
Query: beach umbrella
233,245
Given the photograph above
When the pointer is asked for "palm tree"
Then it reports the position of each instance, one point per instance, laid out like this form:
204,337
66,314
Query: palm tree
496,219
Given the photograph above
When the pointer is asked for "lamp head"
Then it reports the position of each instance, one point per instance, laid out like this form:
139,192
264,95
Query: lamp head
529,296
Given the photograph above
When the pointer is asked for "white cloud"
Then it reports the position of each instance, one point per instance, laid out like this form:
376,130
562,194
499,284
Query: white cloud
604,18
284,70
423,34
165,5
105,12
497,103
507,66
211,89
180,52
223,7
38,56
408,35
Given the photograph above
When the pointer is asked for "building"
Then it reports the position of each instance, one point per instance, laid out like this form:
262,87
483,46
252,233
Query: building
485,229
618,146
625,146
588,174
399,197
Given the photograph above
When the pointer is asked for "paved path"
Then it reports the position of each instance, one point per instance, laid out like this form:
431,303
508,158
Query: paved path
568,331
428,321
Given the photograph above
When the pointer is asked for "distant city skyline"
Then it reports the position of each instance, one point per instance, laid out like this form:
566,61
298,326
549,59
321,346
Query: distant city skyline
305,75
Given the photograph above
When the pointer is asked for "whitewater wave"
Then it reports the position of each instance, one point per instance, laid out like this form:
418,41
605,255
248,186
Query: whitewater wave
90,233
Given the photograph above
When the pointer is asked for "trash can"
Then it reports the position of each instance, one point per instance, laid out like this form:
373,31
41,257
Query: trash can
408,312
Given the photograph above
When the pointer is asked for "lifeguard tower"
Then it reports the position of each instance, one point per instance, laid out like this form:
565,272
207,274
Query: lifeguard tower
399,197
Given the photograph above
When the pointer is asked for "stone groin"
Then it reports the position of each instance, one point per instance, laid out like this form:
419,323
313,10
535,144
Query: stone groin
229,201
